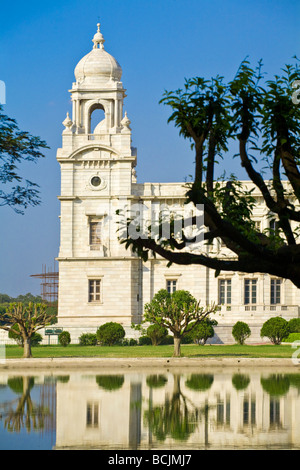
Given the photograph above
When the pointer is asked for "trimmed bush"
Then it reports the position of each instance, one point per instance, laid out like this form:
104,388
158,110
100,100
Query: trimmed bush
291,338
156,333
88,339
110,333
203,331
129,342
169,339
294,325
187,339
36,339
241,332
276,329
64,338
133,342
144,341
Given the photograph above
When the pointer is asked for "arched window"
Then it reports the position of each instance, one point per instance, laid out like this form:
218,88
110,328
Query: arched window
96,119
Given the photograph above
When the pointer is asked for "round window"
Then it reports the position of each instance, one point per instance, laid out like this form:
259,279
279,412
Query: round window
96,181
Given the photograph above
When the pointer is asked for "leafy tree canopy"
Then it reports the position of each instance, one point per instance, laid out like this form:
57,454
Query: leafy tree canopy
179,312
16,147
260,116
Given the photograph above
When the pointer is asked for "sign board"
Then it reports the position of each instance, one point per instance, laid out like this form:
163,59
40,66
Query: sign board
53,331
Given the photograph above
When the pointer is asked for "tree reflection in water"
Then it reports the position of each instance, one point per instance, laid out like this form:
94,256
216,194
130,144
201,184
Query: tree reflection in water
23,412
178,417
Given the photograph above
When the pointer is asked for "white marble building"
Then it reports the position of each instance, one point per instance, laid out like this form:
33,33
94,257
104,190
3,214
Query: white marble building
101,281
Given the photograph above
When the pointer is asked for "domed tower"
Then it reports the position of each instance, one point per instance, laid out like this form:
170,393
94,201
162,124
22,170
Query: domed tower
98,86
97,169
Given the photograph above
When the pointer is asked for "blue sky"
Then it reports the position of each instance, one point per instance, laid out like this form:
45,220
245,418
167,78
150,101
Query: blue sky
158,44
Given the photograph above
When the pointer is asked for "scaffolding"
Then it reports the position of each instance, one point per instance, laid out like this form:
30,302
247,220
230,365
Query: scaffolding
49,285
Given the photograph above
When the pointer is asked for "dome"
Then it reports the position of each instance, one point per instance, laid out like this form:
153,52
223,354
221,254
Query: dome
98,67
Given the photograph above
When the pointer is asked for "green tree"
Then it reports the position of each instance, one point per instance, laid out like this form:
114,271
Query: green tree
29,320
294,325
110,333
88,339
179,312
258,117
36,338
156,333
276,329
16,147
6,300
203,331
64,338
241,332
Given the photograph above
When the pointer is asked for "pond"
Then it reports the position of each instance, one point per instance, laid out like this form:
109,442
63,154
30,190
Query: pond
151,409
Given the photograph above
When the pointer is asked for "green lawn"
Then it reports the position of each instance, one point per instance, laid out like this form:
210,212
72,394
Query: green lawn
187,350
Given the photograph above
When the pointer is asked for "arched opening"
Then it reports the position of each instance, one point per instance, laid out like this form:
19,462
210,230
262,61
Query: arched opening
96,119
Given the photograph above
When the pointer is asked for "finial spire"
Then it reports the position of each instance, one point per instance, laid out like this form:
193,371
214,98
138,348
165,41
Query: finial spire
98,39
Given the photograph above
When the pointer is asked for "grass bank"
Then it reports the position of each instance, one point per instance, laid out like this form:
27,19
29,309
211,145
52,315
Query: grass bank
187,350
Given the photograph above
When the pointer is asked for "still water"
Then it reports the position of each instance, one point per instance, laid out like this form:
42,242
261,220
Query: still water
156,409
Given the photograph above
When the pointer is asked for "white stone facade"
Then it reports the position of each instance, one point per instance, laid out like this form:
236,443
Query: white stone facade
101,281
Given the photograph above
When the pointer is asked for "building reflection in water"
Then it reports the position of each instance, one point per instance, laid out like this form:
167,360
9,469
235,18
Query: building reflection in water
171,410
159,410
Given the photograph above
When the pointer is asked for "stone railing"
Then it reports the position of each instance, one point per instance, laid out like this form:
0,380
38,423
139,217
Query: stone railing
257,313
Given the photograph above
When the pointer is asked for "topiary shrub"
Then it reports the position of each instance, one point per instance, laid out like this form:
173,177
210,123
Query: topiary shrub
133,342
156,333
276,329
169,339
144,341
129,342
64,338
241,332
88,339
36,339
294,325
203,331
187,339
110,333
291,338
